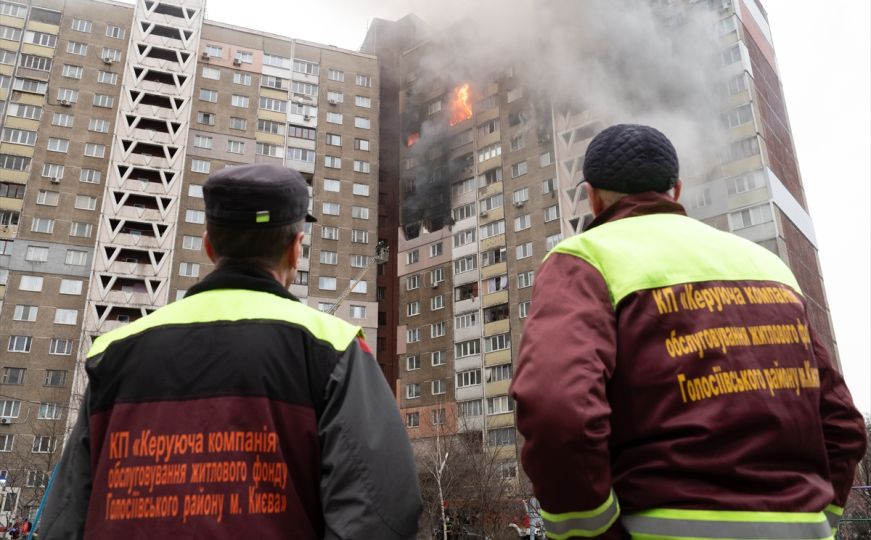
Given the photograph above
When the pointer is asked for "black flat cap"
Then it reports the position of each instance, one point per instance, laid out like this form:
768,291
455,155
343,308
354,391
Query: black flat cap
255,196
631,158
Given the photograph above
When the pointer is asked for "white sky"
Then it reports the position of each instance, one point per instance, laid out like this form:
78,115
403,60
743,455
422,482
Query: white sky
824,56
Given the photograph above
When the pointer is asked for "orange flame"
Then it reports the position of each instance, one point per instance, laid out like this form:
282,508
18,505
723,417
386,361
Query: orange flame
412,139
461,109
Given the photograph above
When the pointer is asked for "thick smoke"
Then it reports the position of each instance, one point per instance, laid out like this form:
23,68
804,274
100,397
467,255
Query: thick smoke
636,61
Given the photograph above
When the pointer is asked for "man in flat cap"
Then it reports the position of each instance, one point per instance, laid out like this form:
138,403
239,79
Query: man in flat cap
238,411
669,384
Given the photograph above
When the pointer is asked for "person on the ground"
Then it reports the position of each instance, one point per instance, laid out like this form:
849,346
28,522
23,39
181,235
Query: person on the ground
669,383
238,410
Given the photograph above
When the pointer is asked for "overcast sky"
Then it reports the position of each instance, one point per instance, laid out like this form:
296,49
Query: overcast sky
824,56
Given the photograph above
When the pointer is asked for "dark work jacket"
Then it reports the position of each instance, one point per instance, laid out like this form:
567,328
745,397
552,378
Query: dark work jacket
237,410
668,375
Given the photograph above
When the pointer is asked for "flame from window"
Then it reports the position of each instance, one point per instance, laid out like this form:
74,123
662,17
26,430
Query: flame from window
412,139
461,108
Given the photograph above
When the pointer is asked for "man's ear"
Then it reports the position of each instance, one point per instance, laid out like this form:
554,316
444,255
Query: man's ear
294,251
677,188
210,249
596,203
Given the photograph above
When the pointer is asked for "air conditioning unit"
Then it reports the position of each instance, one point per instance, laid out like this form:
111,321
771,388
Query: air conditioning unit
65,103
435,285
205,55
55,180
484,213
332,102
4,421
519,204
237,62
307,117
107,60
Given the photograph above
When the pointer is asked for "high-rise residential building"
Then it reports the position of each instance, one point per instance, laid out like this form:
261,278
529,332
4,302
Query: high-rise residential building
489,181
112,116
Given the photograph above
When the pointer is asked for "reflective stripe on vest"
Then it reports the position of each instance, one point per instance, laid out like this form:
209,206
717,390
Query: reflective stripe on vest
237,305
731,525
660,250
585,524
833,514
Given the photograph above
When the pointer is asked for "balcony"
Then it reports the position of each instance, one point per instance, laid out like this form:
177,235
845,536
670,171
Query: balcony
497,357
492,242
500,420
497,327
498,297
468,304
493,270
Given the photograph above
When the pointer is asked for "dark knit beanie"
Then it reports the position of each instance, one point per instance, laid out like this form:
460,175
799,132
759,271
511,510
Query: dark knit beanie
631,158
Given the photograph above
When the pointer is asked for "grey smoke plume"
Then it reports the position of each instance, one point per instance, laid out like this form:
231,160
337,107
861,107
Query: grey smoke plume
638,61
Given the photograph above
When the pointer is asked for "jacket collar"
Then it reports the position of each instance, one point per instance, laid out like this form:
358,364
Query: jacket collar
237,275
638,204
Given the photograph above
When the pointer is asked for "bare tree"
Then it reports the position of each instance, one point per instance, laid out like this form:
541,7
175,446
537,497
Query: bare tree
857,512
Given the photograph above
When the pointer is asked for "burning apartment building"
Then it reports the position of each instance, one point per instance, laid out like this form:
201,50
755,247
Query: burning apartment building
491,134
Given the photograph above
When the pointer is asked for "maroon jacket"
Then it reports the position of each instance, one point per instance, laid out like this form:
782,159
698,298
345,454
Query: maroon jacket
603,405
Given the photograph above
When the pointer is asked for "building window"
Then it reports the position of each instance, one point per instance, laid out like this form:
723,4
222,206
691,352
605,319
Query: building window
194,243
438,330
357,312
102,100
466,320
187,269
235,147
200,166
501,436
359,237
240,101
30,283
95,150
7,443
330,209
551,213
466,264
10,408
98,125
499,373
81,25
57,145
522,222
205,118
363,101
214,51
364,80
276,61
494,228
412,363
523,309
195,216
436,303
326,283
524,250
47,198
208,95
739,116
36,254
412,391
436,276
359,212
12,375
75,257
272,150
70,286
745,182
49,411
238,123
497,343
300,154
271,104
334,140
471,377
361,122
412,308
489,152
66,316
86,202
525,279
202,141
412,283
518,169
54,377
211,73
329,233
361,144
43,444
243,79
42,225
438,387
62,120
73,72
329,257
332,162
336,75
360,189
81,229
552,240
750,217
500,405
412,335
19,344
334,118
245,57
470,408
80,49
438,358
90,176
36,479
25,313
412,419
464,237
412,256
62,347
467,348
107,77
